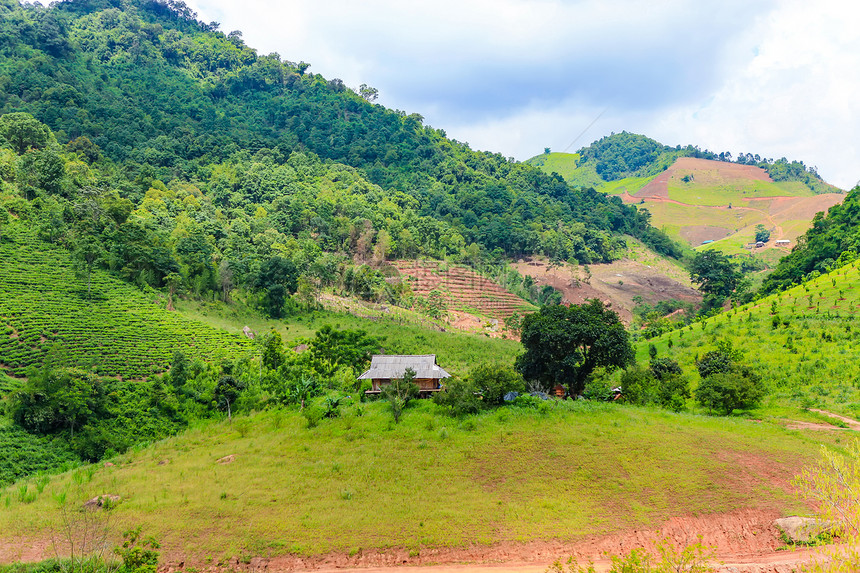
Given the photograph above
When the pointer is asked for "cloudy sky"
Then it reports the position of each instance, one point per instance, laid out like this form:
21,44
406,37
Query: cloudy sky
778,78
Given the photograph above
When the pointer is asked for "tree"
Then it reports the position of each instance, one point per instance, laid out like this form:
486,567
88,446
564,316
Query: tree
277,278
368,93
87,251
23,132
715,273
762,235
4,220
565,344
733,389
726,384
493,381
399,392
227,391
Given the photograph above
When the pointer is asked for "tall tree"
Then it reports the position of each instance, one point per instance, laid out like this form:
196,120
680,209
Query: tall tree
715,273
564,344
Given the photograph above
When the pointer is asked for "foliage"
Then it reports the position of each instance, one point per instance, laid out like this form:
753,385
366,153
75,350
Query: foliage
25,454
762,234
715,273
693,558
138,554
493,381
729,390
399,393
565,344
832,237
833,484
462,397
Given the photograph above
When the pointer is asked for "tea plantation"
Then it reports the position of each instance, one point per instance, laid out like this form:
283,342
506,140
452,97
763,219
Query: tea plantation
118,331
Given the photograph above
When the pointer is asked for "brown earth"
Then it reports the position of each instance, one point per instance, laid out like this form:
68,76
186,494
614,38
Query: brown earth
707,171
617,283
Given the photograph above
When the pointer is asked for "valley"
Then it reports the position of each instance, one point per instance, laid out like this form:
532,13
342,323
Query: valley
253,320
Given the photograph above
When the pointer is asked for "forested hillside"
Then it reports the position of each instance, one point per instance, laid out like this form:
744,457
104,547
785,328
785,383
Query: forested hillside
139,94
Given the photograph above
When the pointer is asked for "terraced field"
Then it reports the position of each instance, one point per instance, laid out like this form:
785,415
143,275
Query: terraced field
462,288
121,331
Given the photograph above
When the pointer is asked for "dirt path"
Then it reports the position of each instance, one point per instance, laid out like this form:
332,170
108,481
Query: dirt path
852,424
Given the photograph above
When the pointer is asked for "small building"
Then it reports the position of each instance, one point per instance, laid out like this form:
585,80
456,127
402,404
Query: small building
783,242
759,244
708,242
387,367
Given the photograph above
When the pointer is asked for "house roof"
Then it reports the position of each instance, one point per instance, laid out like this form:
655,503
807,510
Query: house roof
393,366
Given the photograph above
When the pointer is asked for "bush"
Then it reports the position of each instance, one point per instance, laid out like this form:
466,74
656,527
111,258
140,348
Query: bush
461,396
493,381
731,390
638,385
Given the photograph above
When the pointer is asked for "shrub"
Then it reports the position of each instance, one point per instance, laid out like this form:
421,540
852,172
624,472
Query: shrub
639,385
730,390
400,392
461,396
493,381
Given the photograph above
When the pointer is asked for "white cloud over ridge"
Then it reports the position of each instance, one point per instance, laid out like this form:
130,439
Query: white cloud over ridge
515,76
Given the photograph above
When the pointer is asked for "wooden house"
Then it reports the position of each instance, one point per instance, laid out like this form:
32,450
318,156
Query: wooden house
387,367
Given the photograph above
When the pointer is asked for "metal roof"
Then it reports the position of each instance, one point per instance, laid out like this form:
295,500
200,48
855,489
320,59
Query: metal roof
393,366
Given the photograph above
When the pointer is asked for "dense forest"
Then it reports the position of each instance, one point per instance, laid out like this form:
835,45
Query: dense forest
195,157
626,154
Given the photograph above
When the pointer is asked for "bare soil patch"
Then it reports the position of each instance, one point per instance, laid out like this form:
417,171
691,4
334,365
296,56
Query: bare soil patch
617,283
698,234
745,541
705,171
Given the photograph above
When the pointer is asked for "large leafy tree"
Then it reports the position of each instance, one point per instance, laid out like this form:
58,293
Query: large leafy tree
715,273
24,132
278,277
564,344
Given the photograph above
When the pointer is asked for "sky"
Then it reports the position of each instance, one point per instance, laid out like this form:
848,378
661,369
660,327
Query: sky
774,78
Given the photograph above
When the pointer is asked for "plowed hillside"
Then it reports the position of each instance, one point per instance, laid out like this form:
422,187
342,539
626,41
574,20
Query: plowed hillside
698,200
462,289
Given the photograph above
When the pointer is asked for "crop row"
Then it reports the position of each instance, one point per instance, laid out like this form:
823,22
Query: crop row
117,331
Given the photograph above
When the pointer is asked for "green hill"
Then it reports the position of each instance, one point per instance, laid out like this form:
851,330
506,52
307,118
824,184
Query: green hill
800,341
357,485
46,313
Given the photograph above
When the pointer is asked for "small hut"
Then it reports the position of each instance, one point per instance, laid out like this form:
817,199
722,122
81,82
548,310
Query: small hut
387,367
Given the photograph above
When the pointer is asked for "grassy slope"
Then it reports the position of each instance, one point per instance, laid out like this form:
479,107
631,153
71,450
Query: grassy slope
44,311
457,352
361,482
809,359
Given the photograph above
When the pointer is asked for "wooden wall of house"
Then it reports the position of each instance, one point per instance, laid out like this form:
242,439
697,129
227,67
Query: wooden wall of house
423,383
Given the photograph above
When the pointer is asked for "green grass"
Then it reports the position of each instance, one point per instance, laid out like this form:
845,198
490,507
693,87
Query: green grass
455,351
806,351
734,193
629,185
360,481
119,331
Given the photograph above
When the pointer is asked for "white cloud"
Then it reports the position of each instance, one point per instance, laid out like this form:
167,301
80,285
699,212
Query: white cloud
515,76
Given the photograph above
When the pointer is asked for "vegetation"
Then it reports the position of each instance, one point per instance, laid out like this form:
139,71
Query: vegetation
833,483
832,238
563,345
346,480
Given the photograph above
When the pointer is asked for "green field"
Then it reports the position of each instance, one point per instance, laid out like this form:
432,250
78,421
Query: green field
801,341
118,331
456,351
722,194
360,482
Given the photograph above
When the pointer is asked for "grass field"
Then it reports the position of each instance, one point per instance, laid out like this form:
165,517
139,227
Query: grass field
361,482
456,351
722,193
801,341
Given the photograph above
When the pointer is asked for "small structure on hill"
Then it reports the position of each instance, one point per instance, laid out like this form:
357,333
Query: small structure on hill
783,242
387,367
